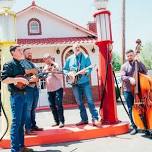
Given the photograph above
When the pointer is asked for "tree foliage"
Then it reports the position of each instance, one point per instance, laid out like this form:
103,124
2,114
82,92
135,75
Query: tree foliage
116,61
146,55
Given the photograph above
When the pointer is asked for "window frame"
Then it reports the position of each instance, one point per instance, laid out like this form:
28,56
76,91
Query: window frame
29,28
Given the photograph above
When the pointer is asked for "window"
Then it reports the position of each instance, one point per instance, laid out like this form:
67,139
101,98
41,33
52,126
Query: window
34,27
42,82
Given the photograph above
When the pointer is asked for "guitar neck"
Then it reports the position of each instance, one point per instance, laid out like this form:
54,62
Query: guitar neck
136,78
90,66
54,72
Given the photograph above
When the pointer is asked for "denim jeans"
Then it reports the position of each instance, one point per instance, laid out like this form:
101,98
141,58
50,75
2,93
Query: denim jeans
55,101
32,97
78,91
130,102
18,109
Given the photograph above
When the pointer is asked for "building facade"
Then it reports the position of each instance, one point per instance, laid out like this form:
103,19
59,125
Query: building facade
46,32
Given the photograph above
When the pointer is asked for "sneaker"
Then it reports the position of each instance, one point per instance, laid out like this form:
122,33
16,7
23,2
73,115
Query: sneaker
36,128
61,125
81,123
133,132
24,149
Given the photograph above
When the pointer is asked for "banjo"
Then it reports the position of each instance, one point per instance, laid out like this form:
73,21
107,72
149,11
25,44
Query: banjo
72,77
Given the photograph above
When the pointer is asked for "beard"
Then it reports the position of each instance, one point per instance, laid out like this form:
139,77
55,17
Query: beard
29,57
130,60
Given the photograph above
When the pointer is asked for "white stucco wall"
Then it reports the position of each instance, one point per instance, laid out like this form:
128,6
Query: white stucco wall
50,25
38,52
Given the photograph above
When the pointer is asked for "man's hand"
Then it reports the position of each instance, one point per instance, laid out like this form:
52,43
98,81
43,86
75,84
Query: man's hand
71,74
132,80
83,72
21,80
34,79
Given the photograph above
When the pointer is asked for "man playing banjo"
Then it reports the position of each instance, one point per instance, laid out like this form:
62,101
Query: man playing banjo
80,62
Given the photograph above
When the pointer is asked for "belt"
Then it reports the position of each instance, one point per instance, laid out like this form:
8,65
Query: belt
19,92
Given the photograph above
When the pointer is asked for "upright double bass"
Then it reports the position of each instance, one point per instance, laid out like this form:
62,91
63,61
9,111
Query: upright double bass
142,108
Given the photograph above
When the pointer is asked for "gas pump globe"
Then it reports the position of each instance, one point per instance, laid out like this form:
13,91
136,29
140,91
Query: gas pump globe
102,18
100,4
6,3
7,18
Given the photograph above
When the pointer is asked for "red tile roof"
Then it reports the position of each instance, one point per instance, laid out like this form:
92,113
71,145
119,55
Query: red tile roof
65,40
92,27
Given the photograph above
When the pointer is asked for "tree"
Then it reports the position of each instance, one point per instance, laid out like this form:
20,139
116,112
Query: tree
116,61
146,55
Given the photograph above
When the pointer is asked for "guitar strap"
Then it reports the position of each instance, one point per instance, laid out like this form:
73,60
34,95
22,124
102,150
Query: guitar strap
79,59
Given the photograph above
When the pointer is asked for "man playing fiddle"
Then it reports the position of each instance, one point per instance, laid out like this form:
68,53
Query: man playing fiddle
54,85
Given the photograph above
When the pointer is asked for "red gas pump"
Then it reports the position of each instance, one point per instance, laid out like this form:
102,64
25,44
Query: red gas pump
108,110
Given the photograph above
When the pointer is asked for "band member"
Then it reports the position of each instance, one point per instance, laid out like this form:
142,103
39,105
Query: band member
127,72
54,84
75,63
10,72
32,97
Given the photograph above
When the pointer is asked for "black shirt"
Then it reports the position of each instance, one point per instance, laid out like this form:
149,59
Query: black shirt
12,69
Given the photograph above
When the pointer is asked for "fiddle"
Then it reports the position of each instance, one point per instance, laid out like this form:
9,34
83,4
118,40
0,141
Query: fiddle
35,77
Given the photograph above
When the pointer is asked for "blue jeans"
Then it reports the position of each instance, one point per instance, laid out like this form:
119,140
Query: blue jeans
55,101
130,102
18,109
78,91
32,97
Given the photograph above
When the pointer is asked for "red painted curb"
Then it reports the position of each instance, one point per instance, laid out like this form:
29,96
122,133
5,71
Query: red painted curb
71,133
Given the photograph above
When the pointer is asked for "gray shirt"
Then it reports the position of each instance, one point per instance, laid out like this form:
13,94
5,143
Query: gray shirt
127,71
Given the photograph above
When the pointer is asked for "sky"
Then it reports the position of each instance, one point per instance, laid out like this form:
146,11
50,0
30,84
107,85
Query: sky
138,16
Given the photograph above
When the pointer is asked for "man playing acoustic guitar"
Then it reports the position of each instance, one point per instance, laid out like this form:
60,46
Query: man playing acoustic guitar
32,97
78,62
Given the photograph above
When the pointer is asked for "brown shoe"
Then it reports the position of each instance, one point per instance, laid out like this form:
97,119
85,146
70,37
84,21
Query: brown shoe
36,128
56,124
81,123
24,149
30,133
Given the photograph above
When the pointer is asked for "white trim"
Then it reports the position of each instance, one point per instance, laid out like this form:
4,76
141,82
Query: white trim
58,17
